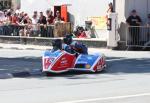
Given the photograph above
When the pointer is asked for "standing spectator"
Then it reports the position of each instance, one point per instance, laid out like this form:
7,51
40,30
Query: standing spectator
42,21
20,17
148,32
134,21
58,17
50,21
2,19
25,19
8,28
8,18
110,8
148,28
109,11
50,17
35,13
15,24
26,31
15,20
35,28
148,20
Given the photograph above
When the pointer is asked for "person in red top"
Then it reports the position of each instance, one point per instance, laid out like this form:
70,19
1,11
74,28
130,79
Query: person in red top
50,17
50,21
15,20
15,23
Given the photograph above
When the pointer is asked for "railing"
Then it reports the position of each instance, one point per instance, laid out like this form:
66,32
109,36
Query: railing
138,36
30,30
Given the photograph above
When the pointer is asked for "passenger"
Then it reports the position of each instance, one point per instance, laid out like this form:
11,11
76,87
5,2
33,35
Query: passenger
74,46
57,45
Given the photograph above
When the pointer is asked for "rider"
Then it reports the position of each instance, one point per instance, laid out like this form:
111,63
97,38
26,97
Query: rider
57,45
74,46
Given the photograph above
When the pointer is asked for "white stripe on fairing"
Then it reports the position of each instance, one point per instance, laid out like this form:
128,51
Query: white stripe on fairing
100,56
107,98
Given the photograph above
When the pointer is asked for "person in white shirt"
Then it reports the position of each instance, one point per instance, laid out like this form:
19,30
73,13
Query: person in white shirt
2,21
35,27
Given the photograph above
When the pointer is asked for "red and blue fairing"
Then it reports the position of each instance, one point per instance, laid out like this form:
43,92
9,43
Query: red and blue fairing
92,63
58,61
62,61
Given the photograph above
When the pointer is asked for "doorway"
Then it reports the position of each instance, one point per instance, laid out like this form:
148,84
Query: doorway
63,12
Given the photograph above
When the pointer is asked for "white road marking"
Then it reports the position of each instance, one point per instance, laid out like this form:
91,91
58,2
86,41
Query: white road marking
107,98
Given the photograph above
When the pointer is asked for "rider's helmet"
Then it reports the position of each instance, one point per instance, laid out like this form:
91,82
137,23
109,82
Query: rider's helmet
57,44
68,39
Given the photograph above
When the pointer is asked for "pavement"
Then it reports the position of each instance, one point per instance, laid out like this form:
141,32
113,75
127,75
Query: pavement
25,73
23,47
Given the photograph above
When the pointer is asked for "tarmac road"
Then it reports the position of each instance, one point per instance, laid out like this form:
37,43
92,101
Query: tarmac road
126,80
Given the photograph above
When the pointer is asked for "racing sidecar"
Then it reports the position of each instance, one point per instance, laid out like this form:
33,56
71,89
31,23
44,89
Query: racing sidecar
61,61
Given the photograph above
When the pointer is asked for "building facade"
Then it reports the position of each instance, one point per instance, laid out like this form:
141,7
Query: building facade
9,4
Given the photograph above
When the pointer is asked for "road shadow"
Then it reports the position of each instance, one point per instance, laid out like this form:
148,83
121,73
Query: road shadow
13,65
20,68
118,65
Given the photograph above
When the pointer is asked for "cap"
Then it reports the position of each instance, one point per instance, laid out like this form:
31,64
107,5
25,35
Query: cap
133,11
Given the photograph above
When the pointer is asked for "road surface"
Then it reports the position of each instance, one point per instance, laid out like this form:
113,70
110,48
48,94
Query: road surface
126,80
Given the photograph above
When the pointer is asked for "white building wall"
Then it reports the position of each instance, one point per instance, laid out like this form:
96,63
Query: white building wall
29,6
80,9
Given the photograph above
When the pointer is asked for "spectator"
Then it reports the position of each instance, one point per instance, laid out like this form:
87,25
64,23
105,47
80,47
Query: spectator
134,21
8,28
8,18
2,18
35,13
42,21
109,11
15,24
26,31
148,28
58,17
25,19
50,21
50,17
148,32
148,20
21,17
35,28
110,8
15,20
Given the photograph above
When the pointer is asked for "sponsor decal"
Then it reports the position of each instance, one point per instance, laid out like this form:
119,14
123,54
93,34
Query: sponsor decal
100,64
48,62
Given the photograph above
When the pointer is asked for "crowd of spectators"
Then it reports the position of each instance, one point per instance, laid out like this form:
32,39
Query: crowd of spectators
21,24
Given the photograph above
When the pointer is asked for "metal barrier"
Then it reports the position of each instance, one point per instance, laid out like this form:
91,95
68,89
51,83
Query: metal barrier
138,36
30,30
